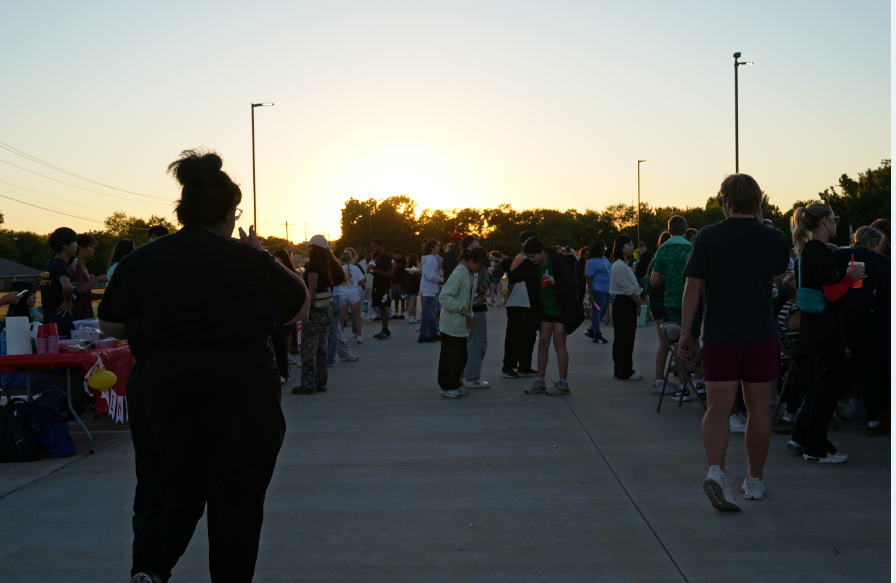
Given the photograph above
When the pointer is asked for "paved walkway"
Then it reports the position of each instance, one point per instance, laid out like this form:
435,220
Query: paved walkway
382,479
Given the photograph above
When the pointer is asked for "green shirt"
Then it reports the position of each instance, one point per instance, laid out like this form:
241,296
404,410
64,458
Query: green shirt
670,260
546,296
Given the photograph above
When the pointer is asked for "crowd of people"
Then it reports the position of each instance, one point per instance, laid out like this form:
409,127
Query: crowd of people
745,303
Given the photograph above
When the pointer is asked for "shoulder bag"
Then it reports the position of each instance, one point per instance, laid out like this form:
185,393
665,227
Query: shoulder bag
808,300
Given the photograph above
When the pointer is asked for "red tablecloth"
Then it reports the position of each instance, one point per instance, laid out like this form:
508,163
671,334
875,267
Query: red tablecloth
117,360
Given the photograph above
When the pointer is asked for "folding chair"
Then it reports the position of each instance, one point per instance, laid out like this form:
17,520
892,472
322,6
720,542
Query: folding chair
788,347
671,333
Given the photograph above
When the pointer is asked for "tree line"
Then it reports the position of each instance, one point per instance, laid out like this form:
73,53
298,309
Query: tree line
398,221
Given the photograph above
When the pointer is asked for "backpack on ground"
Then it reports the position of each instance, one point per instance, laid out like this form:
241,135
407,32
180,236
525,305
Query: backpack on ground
19,441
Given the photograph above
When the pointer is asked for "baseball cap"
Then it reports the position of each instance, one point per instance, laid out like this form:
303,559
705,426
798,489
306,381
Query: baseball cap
456,237
318,240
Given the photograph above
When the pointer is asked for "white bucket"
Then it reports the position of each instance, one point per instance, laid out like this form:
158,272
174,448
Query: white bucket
18,335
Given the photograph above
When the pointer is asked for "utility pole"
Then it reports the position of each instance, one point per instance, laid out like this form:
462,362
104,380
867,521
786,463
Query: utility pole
306,231
287,232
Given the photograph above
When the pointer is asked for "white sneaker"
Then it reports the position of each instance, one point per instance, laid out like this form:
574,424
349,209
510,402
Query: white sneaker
451,394
537,387
716,488
754,488
475,384
292,360
831,458
657,386
360,340
351,358
462,391
634,377
737,423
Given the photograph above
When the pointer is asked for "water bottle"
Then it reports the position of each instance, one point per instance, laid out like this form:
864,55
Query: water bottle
3,343
364,308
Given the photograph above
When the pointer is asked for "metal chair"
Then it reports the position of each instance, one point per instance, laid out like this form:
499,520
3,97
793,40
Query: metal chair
671,333
788,349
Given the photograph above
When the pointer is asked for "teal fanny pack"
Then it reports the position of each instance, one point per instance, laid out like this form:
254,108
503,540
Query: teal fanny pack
808,300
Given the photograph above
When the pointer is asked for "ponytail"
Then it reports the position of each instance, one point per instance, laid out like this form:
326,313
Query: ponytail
804,222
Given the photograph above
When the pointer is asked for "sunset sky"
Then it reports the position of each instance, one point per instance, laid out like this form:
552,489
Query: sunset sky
536,104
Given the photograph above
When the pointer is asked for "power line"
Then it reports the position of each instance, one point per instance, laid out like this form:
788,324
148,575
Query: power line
45,209
48,165
55,197
81,187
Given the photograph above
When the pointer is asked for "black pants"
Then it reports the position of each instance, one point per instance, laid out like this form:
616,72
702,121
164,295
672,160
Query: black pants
280,337
452,361
811,430
203,435
519,340
625,322
863,340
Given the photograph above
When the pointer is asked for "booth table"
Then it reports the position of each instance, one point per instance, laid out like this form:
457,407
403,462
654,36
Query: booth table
117,360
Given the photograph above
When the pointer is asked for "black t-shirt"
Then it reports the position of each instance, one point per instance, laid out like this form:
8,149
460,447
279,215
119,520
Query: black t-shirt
449,262
323,276
877,268
381,282
197,290
643,264
570,261
505,264
737,259
398,270
815,269
51,296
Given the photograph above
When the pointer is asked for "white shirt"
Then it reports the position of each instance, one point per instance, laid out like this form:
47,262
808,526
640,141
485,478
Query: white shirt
353,277
430,279
623,281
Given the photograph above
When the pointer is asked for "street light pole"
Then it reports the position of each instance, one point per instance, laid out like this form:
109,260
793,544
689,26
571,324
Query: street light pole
254,208
736,129
639,201
370,217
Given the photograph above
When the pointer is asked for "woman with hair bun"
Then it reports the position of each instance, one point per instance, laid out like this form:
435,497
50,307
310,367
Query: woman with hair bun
204,392
822,327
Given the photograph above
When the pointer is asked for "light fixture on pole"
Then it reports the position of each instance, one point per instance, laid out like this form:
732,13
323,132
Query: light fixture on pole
254,208
736,145
639,201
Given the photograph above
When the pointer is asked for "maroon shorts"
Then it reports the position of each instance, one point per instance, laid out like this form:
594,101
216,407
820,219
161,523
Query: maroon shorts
752,362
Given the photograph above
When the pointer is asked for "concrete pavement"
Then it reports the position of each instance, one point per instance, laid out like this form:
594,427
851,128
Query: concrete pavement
382,479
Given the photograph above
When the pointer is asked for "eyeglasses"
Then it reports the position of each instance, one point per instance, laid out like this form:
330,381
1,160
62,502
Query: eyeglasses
237,214
835,218
719,199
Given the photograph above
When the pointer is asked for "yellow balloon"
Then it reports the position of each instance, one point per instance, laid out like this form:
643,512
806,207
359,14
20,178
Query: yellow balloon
102,380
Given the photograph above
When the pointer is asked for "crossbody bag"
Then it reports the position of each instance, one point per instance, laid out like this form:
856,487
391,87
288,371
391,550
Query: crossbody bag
808,300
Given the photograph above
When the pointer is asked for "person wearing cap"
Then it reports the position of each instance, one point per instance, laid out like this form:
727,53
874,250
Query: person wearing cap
322,273
449,260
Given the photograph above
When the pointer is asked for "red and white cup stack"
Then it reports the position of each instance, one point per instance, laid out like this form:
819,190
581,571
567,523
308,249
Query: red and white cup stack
52,338
42,340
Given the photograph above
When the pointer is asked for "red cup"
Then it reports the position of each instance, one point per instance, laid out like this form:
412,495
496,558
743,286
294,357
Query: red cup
52,330
41,331
544,280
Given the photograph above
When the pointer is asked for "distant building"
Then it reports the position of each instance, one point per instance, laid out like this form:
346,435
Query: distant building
11,271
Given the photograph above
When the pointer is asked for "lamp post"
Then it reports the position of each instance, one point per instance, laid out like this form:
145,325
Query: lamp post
254,208
736,145
639,201
370,217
